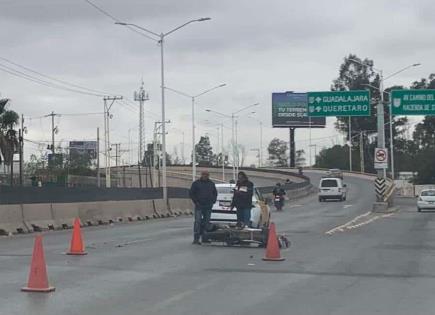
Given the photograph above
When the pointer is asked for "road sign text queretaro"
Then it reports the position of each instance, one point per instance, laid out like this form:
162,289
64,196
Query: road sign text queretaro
339,103
413,102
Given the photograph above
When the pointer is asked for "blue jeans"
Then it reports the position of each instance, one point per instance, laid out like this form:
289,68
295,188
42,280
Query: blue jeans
244,216
202,218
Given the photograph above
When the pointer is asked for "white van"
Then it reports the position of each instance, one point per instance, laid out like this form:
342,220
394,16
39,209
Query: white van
332,188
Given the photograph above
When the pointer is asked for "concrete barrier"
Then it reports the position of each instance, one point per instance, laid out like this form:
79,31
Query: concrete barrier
38,216
11,219
64,214
161,208
181,206
147,209
90,212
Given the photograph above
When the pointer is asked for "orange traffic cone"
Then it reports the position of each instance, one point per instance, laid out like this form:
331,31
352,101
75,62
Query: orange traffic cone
38,281
77,246
272,250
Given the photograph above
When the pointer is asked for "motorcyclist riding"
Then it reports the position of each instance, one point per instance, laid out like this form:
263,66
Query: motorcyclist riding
278,197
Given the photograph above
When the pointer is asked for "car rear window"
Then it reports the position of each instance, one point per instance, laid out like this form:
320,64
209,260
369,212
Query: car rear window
430,193
329,183
224,190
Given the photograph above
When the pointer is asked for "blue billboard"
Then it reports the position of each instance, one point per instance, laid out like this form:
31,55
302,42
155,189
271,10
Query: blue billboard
290,110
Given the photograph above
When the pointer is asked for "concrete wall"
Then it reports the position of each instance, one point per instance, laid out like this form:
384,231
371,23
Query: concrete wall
36,217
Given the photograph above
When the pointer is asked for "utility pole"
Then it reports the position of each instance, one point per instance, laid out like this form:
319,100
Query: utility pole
54,130
222,152
107,148
361,151
117,159
140,96
21,143
292,155
98,159
261,143
183,157
350,143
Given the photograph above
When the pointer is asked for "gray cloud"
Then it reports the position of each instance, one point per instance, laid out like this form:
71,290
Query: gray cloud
254,46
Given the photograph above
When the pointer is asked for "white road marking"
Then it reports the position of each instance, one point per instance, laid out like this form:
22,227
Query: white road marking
353,223
347,206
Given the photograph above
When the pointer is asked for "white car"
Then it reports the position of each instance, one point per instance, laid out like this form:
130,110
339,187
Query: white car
332,188
426,200
222,213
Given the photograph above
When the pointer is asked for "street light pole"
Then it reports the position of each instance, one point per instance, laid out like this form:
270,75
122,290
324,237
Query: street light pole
380,113
232,116
161,38
193,98
164,182
222,152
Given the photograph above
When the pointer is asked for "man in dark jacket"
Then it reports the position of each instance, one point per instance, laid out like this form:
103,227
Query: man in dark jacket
203,194
242,200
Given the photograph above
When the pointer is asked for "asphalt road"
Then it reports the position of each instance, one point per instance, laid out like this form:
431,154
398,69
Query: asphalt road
376,264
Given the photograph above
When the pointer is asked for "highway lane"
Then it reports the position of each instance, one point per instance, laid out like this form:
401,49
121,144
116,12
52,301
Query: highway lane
382,267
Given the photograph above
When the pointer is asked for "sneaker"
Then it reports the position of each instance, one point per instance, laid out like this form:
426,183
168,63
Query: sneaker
196,242
206,241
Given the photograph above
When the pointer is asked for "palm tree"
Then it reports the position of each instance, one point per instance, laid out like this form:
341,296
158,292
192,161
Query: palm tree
8,136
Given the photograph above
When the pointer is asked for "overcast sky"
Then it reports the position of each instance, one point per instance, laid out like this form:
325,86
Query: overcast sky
256,47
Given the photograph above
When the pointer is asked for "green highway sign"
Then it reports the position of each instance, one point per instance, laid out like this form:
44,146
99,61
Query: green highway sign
339,103
413,102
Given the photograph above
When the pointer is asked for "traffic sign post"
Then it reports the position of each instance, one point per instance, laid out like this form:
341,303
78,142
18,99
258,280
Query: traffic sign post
339,103
413,102
381,158
380,188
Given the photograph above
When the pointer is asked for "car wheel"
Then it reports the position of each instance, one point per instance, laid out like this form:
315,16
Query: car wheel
419,209
320,199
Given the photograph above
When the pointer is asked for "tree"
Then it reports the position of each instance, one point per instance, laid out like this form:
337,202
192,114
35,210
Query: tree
149,156
80,163
8,136
335,157
354,76
424,162
300,158
241,154
278,152
424,134
204,151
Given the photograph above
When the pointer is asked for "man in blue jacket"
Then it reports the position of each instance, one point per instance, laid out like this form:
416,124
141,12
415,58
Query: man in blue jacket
203,194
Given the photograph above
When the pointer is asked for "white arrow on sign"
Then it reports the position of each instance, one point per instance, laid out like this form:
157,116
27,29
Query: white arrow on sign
318,99
318,108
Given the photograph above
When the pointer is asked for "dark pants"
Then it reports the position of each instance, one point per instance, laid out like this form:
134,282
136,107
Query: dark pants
202,218
244,216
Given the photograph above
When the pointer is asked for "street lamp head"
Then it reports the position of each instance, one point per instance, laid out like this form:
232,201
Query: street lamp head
203,19
416,64
222,85
121,23
208,110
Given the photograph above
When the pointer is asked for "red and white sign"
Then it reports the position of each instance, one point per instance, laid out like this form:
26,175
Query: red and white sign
381,158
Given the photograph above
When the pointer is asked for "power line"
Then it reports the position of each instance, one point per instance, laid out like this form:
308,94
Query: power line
52,78
29,77
104,12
